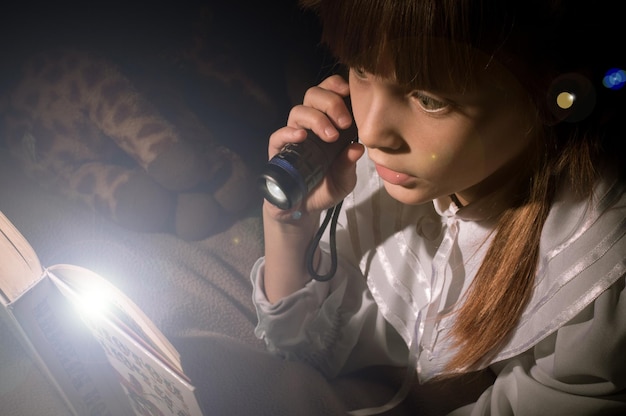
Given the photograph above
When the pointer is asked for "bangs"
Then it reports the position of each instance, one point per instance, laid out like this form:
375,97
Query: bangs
445,53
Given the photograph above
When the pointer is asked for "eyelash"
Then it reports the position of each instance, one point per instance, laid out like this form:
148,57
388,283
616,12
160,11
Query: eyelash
428,103
359,72
425,101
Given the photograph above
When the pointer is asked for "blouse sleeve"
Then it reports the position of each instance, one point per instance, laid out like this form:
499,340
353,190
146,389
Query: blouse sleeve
334,326
579,370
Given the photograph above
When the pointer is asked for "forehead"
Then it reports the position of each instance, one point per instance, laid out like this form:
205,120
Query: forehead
435,64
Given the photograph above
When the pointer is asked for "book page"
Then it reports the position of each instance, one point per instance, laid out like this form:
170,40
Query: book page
20,267
151,384
66,351
98,296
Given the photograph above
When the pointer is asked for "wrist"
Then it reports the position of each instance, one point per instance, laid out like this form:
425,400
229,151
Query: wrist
286,243
289,218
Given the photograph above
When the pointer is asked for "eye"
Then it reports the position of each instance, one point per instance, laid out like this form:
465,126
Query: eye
428,103
359,72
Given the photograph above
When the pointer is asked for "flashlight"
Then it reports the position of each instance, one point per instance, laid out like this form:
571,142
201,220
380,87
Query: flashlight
299,167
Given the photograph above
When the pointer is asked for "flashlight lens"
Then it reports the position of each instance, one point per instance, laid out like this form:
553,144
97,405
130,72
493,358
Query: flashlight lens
275,191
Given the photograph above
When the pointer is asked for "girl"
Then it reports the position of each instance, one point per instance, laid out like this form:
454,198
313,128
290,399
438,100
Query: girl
484,214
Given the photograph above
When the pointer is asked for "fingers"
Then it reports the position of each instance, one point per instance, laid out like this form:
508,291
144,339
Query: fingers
344,174
336,83
324,109
329,97
282,136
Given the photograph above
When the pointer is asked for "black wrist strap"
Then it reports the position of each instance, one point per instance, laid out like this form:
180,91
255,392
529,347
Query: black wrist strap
332,215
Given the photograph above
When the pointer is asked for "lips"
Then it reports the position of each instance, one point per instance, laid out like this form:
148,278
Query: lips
391,176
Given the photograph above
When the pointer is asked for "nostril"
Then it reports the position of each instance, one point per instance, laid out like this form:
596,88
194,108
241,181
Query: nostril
397,146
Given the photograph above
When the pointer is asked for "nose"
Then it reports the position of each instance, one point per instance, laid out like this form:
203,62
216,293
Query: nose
376,120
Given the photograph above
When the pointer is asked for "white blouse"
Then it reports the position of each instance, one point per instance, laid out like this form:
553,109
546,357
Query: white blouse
403,269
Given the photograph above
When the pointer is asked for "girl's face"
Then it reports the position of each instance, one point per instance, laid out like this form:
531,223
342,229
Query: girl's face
429,144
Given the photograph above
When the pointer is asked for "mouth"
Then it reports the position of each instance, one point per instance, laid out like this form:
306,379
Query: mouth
391,176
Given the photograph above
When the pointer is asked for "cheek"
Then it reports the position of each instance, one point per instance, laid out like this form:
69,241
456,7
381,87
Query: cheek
504,138
490,142
452,148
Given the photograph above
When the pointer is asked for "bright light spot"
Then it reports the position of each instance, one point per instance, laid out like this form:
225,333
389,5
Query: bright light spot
93,303
236,240
433,156
565,100
275,191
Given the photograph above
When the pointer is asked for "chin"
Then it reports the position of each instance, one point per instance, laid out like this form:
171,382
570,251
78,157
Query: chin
409,196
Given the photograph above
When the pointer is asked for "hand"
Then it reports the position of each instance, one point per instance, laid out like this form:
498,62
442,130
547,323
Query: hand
324,112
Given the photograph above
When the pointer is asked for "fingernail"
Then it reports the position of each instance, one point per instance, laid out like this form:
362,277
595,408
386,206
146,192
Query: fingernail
343,121
330,132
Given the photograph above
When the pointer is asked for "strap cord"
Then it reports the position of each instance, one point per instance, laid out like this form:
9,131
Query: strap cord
331,217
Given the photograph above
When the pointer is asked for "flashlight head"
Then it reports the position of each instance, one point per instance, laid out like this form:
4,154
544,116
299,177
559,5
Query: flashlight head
281,184
299,167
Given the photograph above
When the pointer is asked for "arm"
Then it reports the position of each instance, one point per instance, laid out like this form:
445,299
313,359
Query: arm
285,246
334,326
286,239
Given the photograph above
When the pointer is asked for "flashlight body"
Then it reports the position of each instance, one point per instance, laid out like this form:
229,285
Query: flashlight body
299,167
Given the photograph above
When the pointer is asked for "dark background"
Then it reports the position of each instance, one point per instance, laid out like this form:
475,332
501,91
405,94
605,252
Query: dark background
274,42
260,30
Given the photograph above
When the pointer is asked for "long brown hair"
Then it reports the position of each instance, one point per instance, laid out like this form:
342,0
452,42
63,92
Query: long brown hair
531,40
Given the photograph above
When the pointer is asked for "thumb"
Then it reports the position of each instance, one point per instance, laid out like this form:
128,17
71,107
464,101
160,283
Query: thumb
354,152
345,172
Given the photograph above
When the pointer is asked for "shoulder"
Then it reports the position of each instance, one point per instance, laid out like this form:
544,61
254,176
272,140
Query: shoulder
583,255
598,216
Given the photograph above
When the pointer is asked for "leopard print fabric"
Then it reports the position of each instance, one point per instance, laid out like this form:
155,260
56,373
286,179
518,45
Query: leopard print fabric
78,124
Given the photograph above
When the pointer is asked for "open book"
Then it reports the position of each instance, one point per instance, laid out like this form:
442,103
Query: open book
96,346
